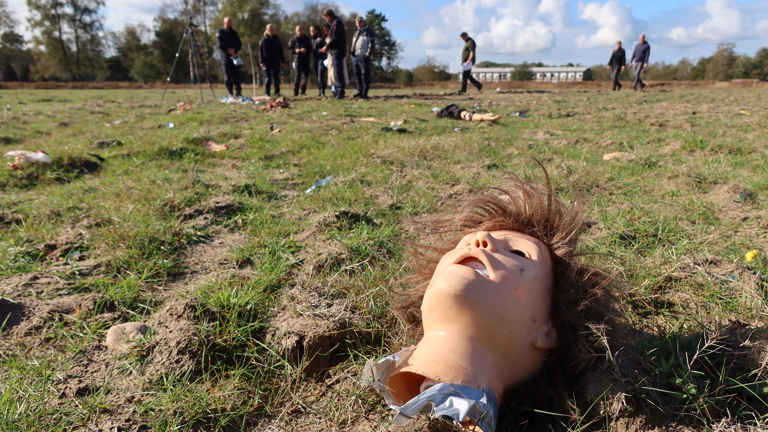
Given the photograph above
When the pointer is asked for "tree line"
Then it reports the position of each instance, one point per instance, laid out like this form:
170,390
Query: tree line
69,42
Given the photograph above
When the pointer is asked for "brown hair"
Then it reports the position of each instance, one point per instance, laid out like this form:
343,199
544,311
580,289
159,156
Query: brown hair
582,297
329,13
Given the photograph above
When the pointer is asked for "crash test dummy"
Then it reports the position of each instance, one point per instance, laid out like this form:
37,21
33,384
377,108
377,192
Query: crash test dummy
503,304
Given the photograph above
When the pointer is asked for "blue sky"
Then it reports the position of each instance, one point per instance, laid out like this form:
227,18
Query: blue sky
551,31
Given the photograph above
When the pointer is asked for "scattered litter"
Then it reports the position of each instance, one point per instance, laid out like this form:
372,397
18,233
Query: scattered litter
184,106
477,107
116,122
413,106
368,119
24,157
212,146
498,89
733,277
8,107
457,129
320,183
104,143
279,103
751,255
609,156
435,109
169,125
76,256
353,106
233,165
518,113
325,113
742,197
274,128
395,129
397,123
745,112
281,171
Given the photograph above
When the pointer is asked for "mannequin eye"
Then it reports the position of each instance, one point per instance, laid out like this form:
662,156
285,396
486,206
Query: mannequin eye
518,252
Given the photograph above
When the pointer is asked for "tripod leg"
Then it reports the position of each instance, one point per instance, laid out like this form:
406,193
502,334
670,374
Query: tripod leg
176,59
193,54
207,71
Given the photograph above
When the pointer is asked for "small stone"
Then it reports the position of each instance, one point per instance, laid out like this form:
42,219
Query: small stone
122,336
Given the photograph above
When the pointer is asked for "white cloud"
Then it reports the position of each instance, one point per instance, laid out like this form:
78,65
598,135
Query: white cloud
500,26
761,28
119,13
724,22
614,21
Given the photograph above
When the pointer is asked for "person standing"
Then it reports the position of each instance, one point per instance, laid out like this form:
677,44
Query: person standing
639,61
229,44
363,47
337,48
468,59
616,65
319,58
271,59
301,47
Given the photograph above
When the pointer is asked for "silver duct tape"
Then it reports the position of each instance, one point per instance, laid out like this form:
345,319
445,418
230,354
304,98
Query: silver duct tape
456,401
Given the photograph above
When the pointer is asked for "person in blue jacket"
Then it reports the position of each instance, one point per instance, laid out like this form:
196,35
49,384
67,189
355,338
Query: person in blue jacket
337,48
639,61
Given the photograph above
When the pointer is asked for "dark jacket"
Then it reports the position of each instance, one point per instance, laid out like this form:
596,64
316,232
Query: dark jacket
226,40
297,42
642,53
469,46
271,50
618,59
318,43
338,42
367,38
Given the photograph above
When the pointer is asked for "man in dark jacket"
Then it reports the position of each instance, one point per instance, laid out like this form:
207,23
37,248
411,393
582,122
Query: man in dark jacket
468,59
639,61
229,44
616,65
337,48
363,47
271,58
301,47
320,68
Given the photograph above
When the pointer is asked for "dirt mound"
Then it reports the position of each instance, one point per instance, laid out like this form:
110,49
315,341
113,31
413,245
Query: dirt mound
11,314
32,283
7,219
732,200
218,207
62,246
174,349
313,331
67,309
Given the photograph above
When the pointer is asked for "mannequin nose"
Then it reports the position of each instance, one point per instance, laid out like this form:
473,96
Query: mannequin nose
483,240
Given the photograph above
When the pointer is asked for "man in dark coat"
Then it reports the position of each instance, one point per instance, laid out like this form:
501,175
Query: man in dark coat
468,59
639,61
363,46
301,47
271,59
616,65
337,48
229,44
320,68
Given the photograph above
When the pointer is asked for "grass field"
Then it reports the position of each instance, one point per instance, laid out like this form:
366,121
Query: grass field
264,302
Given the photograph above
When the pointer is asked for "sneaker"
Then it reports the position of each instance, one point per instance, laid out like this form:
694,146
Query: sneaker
364,96
642,87
357,95
480,88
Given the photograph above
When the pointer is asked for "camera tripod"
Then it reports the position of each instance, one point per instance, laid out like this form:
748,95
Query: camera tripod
194,71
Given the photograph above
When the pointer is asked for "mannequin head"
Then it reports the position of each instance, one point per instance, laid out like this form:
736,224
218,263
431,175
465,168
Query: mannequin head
501,270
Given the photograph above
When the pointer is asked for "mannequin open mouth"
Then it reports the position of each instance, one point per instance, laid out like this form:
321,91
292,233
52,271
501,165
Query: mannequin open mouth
476,265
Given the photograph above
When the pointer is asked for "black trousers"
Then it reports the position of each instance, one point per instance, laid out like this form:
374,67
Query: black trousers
615,71
231,76
467,76
300,76
338,73
271,74
322,74
362,66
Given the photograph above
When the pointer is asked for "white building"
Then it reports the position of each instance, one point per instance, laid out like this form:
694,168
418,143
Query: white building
545,74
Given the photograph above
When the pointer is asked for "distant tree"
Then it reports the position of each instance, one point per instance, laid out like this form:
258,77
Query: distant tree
68,43
403,76
431,70
600,73
387,48
760,64
168,34
7,20
698,72
660,71
15,59
683,69
720,64
742,67
522,72
130,45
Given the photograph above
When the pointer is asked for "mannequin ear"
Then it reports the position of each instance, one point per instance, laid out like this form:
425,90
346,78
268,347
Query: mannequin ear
546,337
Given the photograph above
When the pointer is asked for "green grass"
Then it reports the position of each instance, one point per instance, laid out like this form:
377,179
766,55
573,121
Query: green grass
666,219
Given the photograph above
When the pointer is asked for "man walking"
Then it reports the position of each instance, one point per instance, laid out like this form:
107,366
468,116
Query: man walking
229,44
363,46
468,59
639,61
337,47
301,47
616,65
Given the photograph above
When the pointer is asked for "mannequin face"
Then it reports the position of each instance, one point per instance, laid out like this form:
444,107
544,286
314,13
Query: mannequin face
495,289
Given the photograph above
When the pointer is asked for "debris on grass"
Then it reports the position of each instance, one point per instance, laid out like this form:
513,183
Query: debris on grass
320,183
123,336
212,146
184,107
104,143
368,119
751,255
518,114
615,155
274,128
